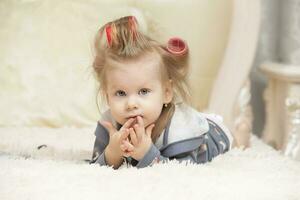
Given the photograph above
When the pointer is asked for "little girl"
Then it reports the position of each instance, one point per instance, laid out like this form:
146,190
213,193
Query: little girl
144,84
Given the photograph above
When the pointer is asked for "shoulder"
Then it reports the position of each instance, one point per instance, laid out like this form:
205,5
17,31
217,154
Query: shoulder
187,128
186,123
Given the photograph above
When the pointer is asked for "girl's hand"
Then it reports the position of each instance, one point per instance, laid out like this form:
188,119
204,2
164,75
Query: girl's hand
116,137
140,140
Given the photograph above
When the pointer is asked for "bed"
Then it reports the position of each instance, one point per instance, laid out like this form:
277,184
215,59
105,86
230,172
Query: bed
49,113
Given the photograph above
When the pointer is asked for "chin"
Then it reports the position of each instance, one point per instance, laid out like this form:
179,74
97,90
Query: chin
147,123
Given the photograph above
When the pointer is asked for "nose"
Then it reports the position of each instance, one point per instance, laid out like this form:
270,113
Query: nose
132,103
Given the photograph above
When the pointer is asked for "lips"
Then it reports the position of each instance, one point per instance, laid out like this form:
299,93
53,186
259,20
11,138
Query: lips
134,116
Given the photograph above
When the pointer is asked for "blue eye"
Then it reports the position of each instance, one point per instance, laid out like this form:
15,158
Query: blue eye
120,93
144,91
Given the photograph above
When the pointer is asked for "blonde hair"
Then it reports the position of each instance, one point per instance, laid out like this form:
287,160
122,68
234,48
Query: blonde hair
120,40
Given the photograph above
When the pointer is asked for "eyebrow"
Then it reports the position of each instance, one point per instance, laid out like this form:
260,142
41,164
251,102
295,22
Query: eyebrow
114,87
148,85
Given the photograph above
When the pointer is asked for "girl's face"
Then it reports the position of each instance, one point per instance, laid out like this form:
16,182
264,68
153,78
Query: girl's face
135,88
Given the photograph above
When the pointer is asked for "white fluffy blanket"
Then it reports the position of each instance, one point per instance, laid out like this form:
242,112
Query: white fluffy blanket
57,171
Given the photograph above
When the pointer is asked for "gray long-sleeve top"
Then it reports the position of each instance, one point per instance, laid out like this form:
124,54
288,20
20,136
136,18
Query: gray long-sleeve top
189,136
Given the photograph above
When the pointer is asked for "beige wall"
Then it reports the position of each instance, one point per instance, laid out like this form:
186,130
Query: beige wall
45,77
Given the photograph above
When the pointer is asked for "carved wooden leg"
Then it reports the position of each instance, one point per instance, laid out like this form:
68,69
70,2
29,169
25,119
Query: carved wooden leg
275,127
242,127
292,138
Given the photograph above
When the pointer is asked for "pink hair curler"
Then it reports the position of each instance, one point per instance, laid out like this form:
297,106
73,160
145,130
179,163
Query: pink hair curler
177,46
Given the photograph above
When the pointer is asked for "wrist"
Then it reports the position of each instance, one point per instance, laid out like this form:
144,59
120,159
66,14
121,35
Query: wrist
144,151
112,158
112,152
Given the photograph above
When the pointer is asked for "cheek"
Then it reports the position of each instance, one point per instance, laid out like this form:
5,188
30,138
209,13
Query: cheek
152,115
117,111
115,105
154,107
154,102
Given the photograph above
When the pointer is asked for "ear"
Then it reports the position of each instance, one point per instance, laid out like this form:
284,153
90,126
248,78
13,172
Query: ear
168,91
106,98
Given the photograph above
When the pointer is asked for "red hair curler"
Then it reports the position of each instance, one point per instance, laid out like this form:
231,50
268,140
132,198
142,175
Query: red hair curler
132,23
108,34
177,46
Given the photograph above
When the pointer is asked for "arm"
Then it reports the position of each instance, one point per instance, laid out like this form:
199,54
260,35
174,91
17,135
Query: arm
106,147
198,150
151,157
104,156
101,141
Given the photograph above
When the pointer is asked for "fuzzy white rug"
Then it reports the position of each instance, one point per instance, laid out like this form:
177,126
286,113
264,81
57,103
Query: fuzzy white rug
59,172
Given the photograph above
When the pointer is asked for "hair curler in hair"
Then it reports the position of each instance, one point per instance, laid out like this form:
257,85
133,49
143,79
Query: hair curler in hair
177,46
113,29
132,22
108,35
